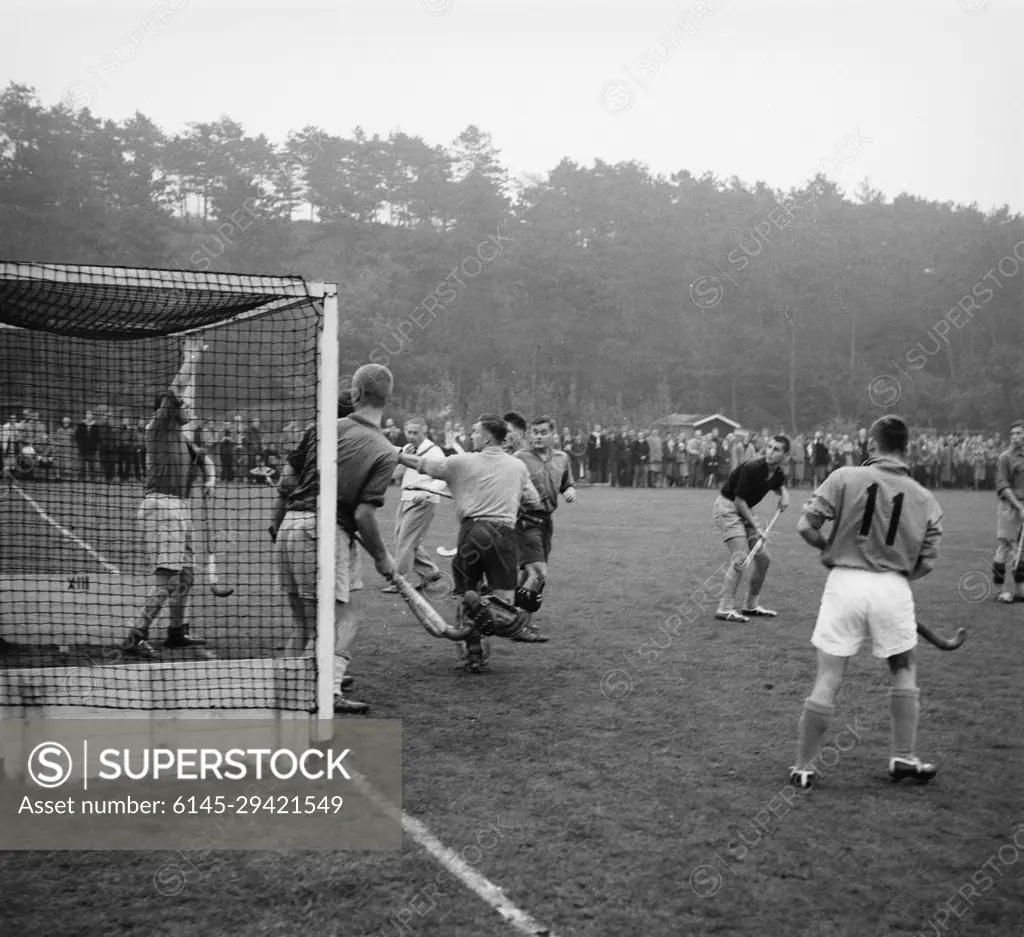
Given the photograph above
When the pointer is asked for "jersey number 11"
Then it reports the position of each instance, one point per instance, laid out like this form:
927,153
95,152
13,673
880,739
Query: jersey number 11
869,513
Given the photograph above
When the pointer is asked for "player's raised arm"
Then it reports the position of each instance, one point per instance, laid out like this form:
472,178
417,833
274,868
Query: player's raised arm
183,385
426,464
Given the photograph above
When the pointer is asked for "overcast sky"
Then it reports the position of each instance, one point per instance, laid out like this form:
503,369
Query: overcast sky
922,96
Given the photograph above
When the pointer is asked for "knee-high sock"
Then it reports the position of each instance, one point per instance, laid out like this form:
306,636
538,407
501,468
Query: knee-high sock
733,576
905,708
757,574
341,662
813,724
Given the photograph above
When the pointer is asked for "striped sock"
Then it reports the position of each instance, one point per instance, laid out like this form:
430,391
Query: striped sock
813,724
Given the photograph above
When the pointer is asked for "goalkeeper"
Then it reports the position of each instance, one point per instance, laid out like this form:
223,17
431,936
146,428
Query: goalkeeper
172,464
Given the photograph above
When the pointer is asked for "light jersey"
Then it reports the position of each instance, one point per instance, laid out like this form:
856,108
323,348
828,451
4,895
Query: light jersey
550,476
489,484
883,521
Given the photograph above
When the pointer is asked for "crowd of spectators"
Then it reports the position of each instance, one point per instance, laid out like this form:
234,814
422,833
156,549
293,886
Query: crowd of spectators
102,447
648,459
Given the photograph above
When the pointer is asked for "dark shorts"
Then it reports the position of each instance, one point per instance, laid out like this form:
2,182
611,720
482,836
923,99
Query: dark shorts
534,539
485,548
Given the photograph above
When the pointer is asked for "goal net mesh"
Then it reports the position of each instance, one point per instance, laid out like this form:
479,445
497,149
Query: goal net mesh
84,354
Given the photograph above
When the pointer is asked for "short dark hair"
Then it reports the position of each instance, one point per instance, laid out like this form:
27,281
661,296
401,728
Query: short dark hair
890,433
1016,423
372,384
345,407
495,425
516,419
784,440
540,420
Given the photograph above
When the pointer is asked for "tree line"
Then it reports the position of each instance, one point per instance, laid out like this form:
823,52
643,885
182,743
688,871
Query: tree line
598,294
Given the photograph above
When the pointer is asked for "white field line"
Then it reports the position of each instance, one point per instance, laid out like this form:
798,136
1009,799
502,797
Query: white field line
484,888
109,567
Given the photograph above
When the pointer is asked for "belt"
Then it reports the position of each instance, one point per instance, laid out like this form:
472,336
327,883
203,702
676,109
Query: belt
500,521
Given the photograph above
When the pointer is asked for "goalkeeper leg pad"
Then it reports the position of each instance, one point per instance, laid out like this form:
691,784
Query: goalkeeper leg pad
528,600
503,620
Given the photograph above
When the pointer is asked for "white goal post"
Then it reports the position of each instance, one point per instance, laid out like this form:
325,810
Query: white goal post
124,305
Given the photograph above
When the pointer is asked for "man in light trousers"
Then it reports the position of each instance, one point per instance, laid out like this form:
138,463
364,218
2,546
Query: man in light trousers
420,495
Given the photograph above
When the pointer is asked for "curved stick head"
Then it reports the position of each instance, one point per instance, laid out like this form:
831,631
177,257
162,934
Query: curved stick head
958,639
222,592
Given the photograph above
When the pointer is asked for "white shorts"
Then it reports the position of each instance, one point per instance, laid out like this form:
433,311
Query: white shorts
857,603
295,550
167,531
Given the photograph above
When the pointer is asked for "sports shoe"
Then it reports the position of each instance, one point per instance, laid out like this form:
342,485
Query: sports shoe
182,641
138,644
802,779
913,768
348,707
530,635
732,616
759,611
428,581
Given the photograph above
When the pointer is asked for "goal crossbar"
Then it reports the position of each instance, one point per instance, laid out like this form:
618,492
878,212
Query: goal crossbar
45,297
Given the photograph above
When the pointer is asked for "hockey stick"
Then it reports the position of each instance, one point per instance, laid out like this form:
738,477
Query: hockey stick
446,551
422,610
429,491
218,590
943,644
1020,547
760,543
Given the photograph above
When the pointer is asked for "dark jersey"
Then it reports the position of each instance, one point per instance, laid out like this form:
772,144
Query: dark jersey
366,462
752,481
302,460
550,476
172,461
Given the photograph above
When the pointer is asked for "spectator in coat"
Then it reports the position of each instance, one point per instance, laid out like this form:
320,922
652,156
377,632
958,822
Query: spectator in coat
597,456
87,439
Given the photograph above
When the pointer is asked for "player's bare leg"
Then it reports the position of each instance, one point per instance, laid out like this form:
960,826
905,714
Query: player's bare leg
137,641
346,622
905,709
1005,551
819,708
171,588
738,550
758,572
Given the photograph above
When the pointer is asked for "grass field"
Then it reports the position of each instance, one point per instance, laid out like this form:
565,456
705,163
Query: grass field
653,805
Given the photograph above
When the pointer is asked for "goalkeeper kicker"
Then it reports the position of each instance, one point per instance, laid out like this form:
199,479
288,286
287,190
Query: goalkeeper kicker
172,465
